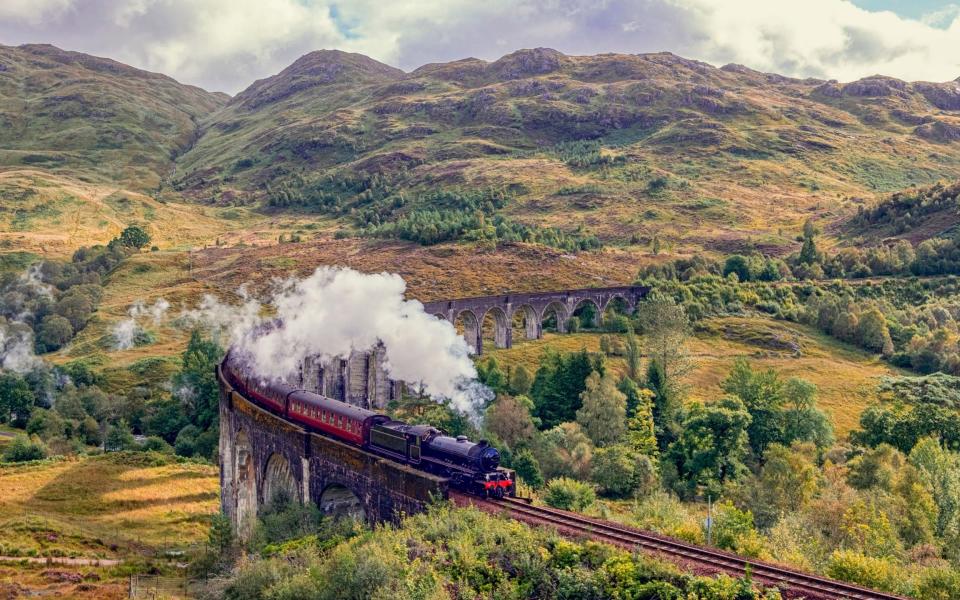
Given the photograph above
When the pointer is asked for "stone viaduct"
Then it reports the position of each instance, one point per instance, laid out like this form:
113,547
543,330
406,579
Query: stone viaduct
262,454
532,309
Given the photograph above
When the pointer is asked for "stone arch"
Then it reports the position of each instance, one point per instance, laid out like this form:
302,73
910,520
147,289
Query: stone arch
560,314
499,327
619,300
245,482
528,322
580,306
277,479
337,500
469,327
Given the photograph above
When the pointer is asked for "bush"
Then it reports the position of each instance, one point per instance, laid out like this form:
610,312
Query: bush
23,449
613,469
156,444
877,573
569,494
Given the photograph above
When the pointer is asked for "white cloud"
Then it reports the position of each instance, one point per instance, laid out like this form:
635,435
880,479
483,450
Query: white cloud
32,12
226,44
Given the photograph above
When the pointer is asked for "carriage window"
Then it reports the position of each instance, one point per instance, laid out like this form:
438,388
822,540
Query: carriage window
340,421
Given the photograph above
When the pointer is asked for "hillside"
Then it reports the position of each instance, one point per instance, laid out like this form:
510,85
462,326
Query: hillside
628,147
92,117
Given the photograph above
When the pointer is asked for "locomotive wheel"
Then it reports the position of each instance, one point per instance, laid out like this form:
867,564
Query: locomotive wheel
498,492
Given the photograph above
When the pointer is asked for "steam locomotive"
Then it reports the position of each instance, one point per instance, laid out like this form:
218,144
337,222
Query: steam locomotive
473,467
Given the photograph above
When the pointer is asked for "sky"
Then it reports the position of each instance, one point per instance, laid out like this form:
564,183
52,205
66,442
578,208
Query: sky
224,45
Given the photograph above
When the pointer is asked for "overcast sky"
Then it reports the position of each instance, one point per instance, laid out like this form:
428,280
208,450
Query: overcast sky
224,45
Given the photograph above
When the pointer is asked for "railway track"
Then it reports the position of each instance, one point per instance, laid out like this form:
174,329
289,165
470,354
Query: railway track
795,584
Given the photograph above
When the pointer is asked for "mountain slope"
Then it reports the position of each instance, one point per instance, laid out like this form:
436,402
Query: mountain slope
627,146
84,116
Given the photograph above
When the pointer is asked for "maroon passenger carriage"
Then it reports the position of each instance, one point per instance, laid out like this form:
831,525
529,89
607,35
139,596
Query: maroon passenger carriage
473,467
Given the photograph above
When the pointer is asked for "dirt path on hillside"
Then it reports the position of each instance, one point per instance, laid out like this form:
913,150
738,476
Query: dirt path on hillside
62,560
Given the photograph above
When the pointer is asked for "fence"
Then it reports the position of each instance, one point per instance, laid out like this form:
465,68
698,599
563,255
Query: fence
155,587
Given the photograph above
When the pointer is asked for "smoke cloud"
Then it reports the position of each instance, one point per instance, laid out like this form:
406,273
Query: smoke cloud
336,311
125,332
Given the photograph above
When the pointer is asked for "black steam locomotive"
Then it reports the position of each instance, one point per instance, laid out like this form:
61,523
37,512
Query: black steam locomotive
471,467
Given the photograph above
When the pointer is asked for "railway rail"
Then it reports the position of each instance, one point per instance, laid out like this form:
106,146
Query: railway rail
794,584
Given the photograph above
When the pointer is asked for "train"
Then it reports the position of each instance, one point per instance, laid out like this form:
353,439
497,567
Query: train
472,467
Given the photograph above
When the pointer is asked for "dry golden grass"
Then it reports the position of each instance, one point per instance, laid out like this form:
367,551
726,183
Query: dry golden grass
112,506
846,378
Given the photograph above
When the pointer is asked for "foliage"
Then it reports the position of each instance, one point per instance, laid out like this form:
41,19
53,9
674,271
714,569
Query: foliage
119,437
620,471
134,237
24,448
781,412
711,448
558,384
449,554
603,409
16,399
508,418
568,494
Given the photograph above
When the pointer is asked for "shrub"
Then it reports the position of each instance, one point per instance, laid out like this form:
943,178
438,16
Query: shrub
569,494
156,444
614,470
878,573
23,449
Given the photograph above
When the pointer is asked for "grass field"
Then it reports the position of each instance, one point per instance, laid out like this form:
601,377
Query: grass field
845,377
140,509
109,506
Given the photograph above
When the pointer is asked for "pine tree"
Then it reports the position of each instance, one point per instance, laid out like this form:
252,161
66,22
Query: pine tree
665,404
633,355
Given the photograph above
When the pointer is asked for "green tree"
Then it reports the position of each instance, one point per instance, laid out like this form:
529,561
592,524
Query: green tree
527,467
55,332
558,384
509,419
666,327
633,355
198,382
711,448
490,375
666,404
134,237
76,308
16,399
940,470
802,420
520,381
119,437
873,333
786,483
738,264
808,253
613,470
762,394
603,412
641,430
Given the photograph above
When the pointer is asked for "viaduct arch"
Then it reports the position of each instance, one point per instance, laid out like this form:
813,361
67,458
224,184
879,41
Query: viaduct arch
263,454
535,307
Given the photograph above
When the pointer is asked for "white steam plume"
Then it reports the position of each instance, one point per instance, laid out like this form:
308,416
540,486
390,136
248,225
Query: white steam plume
125,332
336,311
16,347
